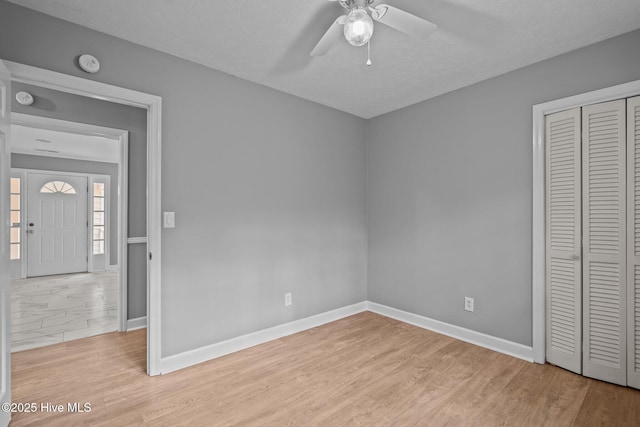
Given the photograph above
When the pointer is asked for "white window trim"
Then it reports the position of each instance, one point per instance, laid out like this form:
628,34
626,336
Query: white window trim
625,90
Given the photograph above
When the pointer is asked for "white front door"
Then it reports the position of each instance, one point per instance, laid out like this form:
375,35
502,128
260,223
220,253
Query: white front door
56,224
5,266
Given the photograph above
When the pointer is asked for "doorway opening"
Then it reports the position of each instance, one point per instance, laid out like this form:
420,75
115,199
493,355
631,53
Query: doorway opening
64,284
69,203
150,243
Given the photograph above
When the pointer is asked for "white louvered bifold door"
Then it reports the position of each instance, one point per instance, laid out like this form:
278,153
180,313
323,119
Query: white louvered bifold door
633,246
604,240
563,246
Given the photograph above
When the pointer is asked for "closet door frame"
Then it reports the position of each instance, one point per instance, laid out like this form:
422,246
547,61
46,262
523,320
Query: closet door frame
626,90
633,244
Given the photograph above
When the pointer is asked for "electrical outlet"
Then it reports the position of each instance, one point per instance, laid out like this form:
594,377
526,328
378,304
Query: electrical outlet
468,304
287,299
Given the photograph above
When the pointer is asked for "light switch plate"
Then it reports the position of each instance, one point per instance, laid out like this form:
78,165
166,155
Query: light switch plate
169,220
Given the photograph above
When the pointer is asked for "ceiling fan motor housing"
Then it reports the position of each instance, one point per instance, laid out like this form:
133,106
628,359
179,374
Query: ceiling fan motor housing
350,4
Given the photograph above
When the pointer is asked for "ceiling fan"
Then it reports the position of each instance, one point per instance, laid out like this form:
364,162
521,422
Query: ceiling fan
357,24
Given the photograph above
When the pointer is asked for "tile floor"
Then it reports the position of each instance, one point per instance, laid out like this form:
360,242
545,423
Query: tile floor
52,309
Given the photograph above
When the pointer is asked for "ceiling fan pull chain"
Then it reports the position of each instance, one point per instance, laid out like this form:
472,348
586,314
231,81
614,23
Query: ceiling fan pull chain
369,53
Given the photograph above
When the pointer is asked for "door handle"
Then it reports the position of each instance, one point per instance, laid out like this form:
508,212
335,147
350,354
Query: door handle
575,257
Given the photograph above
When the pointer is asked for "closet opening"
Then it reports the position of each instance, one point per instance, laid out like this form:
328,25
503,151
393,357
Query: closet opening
586,296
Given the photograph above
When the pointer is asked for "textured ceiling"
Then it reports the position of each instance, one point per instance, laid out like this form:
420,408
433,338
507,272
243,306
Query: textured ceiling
269,41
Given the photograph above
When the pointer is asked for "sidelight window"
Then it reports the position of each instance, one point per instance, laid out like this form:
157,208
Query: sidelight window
15,214
98,218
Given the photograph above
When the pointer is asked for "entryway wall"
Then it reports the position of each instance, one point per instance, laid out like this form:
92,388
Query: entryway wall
65,106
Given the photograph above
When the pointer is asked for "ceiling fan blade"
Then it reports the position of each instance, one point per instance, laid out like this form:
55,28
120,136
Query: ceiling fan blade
330,37
403,21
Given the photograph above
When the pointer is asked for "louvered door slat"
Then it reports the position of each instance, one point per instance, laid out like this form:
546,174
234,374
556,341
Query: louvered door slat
604,241
633,246
563,228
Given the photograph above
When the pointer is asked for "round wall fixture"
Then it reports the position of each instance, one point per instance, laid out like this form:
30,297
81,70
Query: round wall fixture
24,98
89,63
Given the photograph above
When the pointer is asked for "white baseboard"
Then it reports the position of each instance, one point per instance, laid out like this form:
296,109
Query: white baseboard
199,355
203,354
113,267
137,323
483,340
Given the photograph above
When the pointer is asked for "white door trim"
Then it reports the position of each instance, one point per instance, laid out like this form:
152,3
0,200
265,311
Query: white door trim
538,235
5,262
122,136
153,104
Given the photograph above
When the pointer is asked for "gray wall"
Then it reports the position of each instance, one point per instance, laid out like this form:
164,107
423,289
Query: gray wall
26,161
268,189
449,191
65,106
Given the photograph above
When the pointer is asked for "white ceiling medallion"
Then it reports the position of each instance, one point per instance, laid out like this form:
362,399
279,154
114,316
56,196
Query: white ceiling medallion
24,98
89,63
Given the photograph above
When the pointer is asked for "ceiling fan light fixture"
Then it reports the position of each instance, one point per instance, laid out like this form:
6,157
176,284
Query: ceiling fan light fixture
358,27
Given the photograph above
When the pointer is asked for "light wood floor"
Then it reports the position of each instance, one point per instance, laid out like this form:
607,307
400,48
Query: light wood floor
363,370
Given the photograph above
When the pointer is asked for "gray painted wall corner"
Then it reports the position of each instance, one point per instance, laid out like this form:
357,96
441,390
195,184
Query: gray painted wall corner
449,191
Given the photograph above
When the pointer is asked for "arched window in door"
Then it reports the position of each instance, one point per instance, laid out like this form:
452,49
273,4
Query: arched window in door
58,187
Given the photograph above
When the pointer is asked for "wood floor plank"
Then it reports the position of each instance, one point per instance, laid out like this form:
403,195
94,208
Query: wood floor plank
364,370
539,395
479,394
605,402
